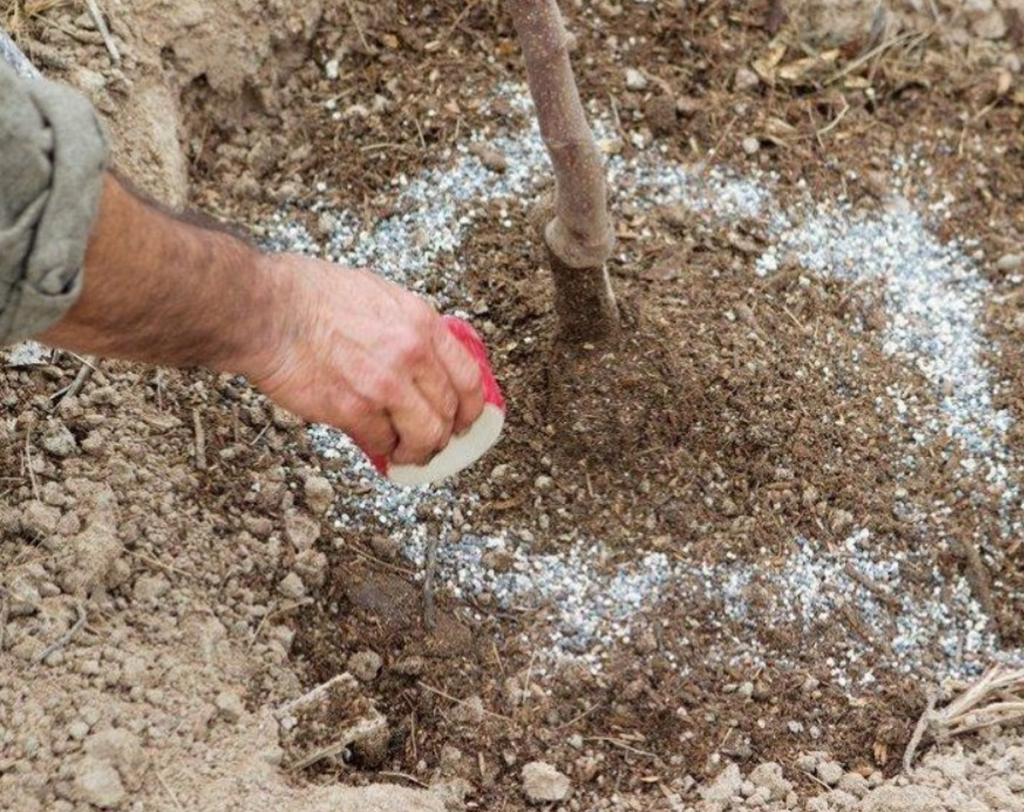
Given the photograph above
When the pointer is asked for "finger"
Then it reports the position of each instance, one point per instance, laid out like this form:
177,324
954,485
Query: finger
370,428
375,435
422,432
435,385
464,375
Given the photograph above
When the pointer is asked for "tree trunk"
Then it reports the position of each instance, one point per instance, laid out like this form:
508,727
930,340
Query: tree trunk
580,237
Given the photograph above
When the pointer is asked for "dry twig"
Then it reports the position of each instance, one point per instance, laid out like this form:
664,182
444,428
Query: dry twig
5,609
85,372
67,637
429,576
197,425
922,727
101,26
170,792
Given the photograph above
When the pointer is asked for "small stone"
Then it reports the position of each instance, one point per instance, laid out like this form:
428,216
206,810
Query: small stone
661,114
542,783
544,483
319,494
96,782
1010,263
751,145
499,472
746,80
855,784
830,772
386,547
365,665
23,598
302,530
469,711
769,777
229,705
490,157
724,787
635,80
283,419
292,586
808,762
78,730
499,560
58,440
311,567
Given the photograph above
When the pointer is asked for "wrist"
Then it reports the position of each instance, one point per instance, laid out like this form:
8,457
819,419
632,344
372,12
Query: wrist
257,340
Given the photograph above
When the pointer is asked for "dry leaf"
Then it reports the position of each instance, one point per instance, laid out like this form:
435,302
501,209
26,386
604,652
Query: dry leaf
811,69
765,65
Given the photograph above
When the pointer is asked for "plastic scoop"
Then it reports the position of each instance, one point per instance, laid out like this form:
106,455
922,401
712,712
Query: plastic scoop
464,449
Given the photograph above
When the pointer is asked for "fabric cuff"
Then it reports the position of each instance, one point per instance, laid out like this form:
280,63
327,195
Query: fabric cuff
53,154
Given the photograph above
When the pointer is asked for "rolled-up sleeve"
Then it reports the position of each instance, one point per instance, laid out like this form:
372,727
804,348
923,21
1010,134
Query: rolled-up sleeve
52,157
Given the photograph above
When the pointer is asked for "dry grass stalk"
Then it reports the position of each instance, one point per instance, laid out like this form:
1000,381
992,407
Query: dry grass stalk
997,699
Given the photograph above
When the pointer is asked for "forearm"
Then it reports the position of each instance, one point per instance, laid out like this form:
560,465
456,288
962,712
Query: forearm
333,345
163,291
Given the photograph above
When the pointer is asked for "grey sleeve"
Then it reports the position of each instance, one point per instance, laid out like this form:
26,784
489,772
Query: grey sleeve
52,158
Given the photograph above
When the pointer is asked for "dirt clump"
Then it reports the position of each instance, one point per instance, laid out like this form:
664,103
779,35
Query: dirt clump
755,420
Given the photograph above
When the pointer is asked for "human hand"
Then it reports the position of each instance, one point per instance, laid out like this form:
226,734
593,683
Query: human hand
355,351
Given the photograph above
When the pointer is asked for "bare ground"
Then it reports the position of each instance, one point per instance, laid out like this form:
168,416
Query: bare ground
167,508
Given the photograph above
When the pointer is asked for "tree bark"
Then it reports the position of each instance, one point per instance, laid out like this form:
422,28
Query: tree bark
580,237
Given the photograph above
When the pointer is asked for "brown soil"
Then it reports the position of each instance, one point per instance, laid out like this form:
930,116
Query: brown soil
711,432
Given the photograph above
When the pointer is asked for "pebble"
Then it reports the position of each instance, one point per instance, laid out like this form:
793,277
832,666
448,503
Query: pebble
229,706
302,531
78,730
58,440
726,785
39,518
746,80
365,665
542,783
292,586
635,80
830,772
95,781
319,494
770,777
751,145
1010,263
494,160
386,547
311,566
